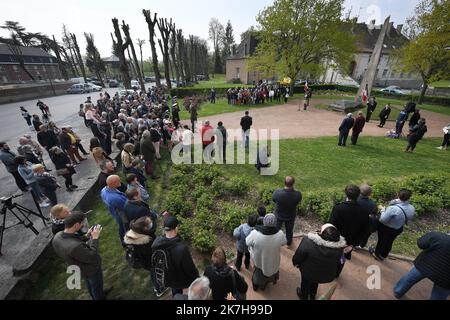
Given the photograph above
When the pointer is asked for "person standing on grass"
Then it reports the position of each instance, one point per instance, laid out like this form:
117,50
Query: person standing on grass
213,96
286,207
246,124
318,257
384,115
148,153
392,221
136,207
207,136
446,141
181,268
371,107
433,263
414,119
351,220
115,202
176,115
400,123
75,251
358,127
7,157
194,115
370,206
344,129
415,135
133,183
240,234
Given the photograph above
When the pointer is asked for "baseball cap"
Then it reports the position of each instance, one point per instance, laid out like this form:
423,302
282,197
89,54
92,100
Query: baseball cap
170,223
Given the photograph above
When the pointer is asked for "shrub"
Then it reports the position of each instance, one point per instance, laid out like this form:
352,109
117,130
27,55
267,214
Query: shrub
265,195
205,202
233,216
186,229
424,184
177,204
204,240
199,191
426,204
206,174
237,186
218,188
385,190
321,203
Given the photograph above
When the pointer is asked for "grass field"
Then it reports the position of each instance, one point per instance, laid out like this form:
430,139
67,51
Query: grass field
218,81
441,84
317,164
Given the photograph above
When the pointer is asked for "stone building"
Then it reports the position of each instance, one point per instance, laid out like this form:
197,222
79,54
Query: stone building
40,64
367,36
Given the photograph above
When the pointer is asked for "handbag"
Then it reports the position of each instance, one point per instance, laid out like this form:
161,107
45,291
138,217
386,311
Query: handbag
62,172
237,295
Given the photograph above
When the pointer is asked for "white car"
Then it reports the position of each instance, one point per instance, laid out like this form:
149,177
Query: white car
95,87
393,90
135,85
126,93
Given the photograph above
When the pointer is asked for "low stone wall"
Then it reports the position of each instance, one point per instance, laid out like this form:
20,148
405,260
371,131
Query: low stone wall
30,92
32,261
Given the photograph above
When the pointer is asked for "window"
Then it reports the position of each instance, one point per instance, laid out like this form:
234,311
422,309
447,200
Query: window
385,72
238,73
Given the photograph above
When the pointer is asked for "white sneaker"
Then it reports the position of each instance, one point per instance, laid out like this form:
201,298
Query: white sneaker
440,148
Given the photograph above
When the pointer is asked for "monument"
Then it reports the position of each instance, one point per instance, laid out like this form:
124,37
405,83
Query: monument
365,88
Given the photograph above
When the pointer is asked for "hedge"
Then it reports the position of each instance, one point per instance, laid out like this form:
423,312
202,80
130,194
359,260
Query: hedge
189,92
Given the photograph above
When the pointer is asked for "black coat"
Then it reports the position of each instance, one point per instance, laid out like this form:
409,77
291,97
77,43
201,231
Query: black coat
246,123
61,161
183,270
136,209
221,282
347,125
147,149
414,119
385,113
47,139
142,245
434,261
351,220
47,183
317,259
417,133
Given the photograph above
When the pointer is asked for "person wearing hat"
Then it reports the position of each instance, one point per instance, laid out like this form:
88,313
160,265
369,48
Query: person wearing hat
182,270
264,244
344,129
72,248
318,257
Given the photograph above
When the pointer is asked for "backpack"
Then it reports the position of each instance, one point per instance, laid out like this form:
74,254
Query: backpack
161,263
131,257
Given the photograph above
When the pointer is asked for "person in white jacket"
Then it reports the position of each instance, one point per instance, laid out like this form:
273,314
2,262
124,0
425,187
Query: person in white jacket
264,244
446,142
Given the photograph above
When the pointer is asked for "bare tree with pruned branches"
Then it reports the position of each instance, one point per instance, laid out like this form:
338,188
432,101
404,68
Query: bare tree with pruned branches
119,48
151,29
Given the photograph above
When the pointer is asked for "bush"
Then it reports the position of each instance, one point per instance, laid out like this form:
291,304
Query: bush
204,240
426,204
178,204
205,202
424,184
218,188
385,189
237,186
206,174
322,203
186,230
265,195
233,216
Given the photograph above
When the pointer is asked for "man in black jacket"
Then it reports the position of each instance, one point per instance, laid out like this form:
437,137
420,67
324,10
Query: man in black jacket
47,138
107,169
344,129
135,208
182,270
351,219
371,106
287,201
384,115
433,263
76,252
246,124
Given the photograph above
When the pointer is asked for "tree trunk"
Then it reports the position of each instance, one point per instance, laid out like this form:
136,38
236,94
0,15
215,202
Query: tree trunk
126,31
79,57
119,48
55,49
74,61
151,28
69,62
423,92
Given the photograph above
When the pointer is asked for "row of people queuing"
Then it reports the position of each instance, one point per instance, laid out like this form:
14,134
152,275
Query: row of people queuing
320,257
259,94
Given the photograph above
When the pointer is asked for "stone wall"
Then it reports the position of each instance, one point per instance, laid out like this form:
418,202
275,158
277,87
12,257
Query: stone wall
30,92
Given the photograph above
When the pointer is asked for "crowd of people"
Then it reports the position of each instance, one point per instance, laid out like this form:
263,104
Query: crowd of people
141,124
258,94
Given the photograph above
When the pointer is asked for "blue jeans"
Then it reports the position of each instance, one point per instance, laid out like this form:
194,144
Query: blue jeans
122,228
289,224
413,277
95,285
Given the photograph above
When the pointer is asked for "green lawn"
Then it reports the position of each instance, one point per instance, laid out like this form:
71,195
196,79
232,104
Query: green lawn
441,84
317,164
222,106
219,81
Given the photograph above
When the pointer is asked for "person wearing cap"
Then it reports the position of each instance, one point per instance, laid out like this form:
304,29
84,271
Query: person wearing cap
344,129
358,127
286,202
182,270
72,248
264,244
318,257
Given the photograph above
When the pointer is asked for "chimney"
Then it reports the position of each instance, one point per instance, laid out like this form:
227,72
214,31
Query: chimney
400,28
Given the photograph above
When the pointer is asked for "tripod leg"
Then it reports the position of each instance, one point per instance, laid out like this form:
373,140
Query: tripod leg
28,225
22,209
2,229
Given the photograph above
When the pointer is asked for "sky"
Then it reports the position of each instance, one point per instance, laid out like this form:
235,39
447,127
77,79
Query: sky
193,16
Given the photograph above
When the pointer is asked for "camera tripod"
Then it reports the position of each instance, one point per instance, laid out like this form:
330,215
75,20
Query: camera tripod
21,213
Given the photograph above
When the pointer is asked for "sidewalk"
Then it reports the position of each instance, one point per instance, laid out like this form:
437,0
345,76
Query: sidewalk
350,286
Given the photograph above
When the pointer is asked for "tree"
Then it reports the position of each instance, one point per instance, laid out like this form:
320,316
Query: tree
119,48
94,60
151,23
216,35
427,52
140,44
165,28
298,35
78,55
173,53
57,50
126,31
228,40
67,41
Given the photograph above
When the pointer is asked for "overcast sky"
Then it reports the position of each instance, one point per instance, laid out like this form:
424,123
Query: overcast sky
48,16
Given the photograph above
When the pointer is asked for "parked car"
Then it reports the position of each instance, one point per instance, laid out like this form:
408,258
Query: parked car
201,77
135,85
97,83
114,84
149,79
95,87
392,91
79,88
126,93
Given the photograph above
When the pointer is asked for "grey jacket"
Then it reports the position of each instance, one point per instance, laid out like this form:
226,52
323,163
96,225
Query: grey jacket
7,157
74,251
394,217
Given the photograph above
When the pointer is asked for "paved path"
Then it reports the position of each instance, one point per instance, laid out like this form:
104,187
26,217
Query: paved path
314,123
350,286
